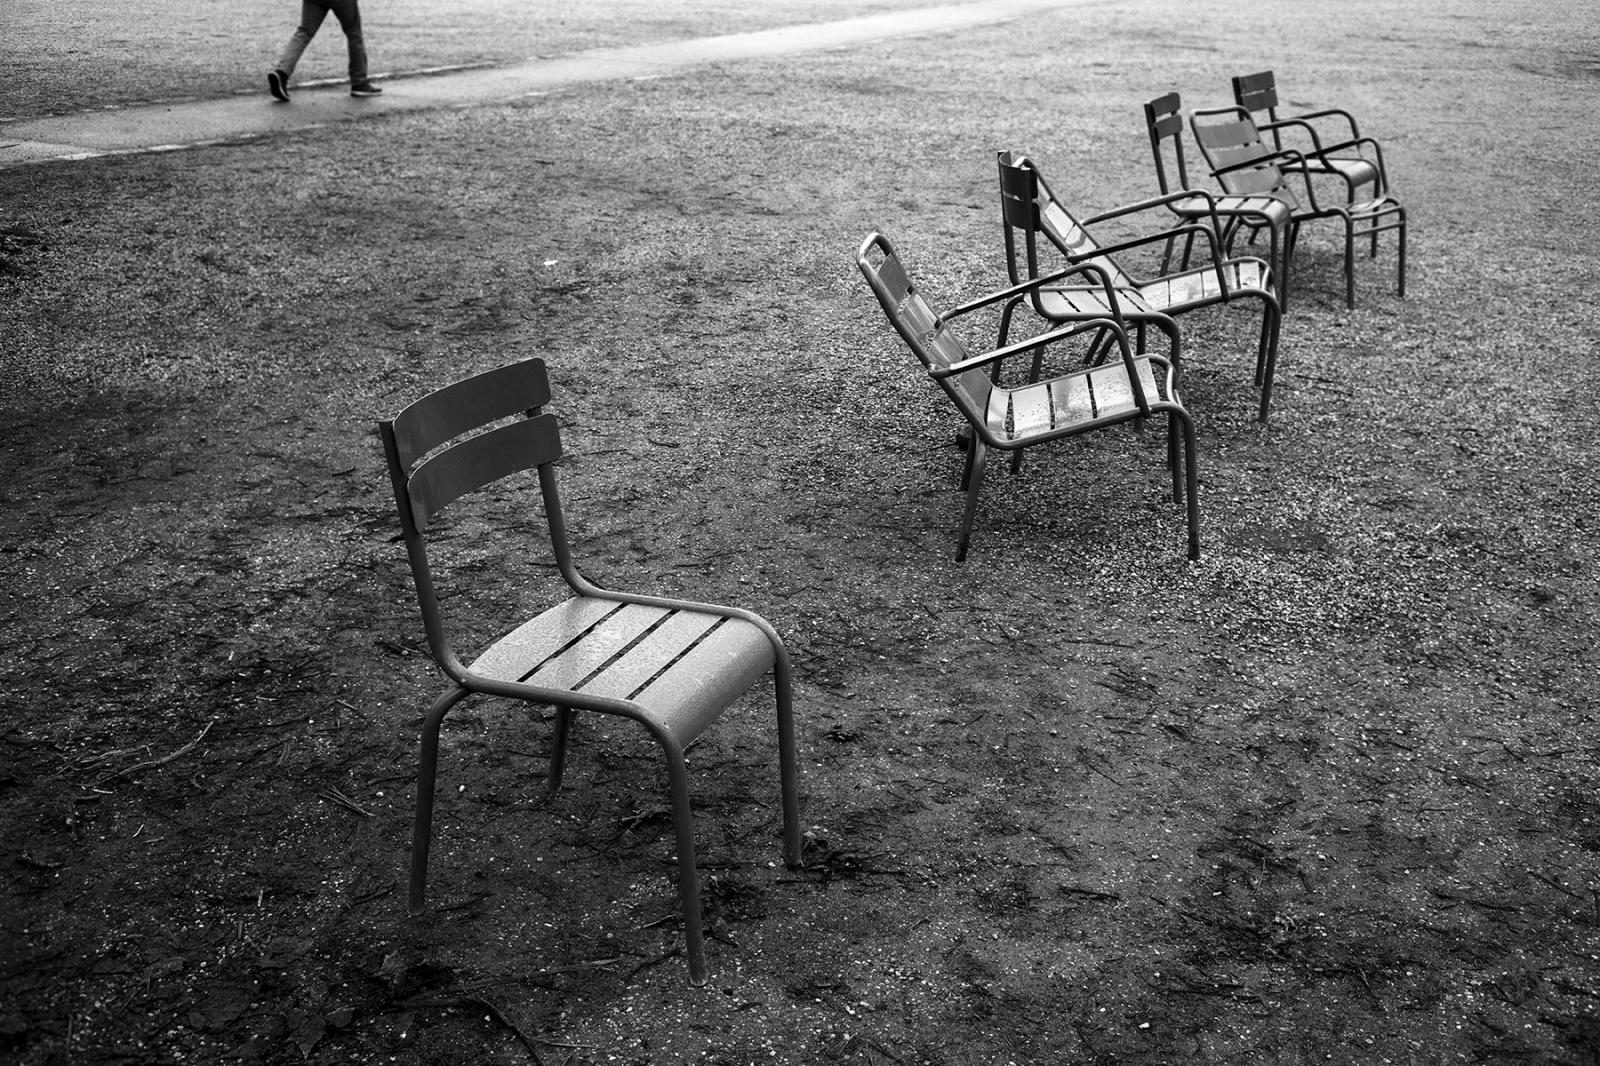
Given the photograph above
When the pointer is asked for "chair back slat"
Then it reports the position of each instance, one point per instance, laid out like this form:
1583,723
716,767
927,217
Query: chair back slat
1021,184
931,341
1257,92
480,460
1019,199
1163,119
1230,139
465,405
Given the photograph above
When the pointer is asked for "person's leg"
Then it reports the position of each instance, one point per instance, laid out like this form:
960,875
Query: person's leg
312,12
349,16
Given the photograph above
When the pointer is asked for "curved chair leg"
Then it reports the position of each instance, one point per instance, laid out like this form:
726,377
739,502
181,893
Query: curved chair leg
422,829
688,877
558,749
1271,318
1279,265
976,458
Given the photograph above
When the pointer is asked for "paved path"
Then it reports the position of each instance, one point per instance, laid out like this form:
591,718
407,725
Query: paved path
164,127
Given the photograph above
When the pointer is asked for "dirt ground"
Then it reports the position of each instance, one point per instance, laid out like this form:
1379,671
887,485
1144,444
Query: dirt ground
1327,795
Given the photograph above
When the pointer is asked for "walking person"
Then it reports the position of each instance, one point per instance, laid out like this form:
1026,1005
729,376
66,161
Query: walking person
312,12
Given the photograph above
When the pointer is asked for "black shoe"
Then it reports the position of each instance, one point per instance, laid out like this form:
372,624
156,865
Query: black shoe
278,85
364,88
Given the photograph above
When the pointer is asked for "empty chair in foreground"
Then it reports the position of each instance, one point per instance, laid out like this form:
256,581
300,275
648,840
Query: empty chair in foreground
670,666
1123,388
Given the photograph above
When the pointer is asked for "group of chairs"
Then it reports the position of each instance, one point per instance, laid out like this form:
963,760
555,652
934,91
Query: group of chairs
1081,287
673,666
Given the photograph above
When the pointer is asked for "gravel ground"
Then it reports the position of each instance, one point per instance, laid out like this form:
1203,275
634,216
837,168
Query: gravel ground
1328,795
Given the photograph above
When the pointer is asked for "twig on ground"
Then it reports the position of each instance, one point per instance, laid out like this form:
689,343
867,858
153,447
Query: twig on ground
333,795
151,764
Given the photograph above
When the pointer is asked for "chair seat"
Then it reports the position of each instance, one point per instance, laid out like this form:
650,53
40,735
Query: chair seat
1355,169
1172,292
1383,205
1274,209
1067,402
683,667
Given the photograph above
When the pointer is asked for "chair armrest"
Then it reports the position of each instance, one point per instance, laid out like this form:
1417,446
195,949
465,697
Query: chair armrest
1332,112
1029,286
1038,341
1142,205
1211,233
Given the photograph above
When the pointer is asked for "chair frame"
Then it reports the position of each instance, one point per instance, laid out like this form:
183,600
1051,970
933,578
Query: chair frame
1163,119
1027,204
1244,165
431,464
1258,93
955,371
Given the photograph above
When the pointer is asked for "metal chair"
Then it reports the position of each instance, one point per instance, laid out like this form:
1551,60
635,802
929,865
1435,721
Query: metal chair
1126,388
1246,166
1029,208
1354,159
1163,120
671,666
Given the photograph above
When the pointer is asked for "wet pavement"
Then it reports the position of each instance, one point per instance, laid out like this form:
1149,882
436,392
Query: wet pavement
170,126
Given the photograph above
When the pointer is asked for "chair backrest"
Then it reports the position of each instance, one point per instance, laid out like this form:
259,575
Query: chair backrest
1258,94
929,338
1229,140
1163,120
437,453
1028,206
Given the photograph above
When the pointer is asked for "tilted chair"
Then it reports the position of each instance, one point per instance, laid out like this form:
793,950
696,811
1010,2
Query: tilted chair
1163,120
1125,388
1355,159
1246,165
670,665
1029,208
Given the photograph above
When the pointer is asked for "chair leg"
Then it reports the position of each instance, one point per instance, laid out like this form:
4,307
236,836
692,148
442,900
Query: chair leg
1271,330
1291,237
1402,252
1172,457
1192,480
976,459
1349,263
1279,264
427,768
558,749
1098,347
688,876
973,444
788,762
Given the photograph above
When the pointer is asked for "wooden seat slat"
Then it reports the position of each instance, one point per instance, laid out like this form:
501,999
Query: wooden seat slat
711,673
1071,399
1030,410
675,634
512,656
